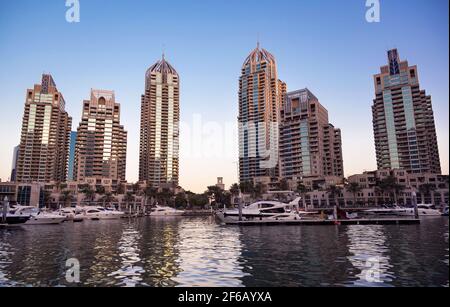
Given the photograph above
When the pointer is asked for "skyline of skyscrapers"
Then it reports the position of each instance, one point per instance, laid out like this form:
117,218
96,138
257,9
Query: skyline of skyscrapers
44,141
403,120
282,135
101,145
159,131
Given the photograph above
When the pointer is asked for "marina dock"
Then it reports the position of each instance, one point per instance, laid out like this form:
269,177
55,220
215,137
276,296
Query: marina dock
314,222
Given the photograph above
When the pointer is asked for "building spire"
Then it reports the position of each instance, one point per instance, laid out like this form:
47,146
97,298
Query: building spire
164,52
258,43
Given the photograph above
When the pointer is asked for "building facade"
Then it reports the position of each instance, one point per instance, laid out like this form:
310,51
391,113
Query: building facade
309,145
44,142
403,120
14,163
160,118
260,98
101,145
70,171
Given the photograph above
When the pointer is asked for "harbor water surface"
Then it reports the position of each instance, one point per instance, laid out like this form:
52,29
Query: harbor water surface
170,252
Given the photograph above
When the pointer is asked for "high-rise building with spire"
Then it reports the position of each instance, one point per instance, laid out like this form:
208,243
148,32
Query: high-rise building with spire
160,117
403,120
44,142
260,99
101,142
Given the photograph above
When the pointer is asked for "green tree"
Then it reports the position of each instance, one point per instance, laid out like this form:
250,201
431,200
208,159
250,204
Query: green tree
89,194
66,198
181,200
108,199
150,193
390,185
333,191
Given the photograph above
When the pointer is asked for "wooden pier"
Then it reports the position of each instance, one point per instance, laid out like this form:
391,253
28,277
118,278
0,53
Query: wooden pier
318,222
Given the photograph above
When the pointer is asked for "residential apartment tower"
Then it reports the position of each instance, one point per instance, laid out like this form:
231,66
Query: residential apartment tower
101,142
44,141
403,120
160,117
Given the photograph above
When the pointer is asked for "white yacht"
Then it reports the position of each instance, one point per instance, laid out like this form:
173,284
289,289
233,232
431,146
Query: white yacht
36,216
387,211
100,213
166,211
72,214
265,210
424,211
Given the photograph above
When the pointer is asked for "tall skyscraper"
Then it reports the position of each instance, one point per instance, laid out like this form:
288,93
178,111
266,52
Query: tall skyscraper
403,120
101,146
73,140
260,98
160,117
309,145
44,142
14,163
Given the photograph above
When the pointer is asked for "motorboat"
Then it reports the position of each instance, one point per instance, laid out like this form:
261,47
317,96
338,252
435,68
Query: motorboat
165,211
37,216
424,211
445,212
100,213
72,214
261,210
387,211
13,219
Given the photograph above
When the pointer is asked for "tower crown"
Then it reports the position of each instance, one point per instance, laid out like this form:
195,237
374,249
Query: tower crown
259,55
162,66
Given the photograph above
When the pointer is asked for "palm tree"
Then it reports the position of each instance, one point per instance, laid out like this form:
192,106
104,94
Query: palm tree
427,189
235,191
332,191
120,189
128,198
89,194
149,192
390,185
100,190
66,198
108,199
302,190
47,199
165,196
354,188
259,190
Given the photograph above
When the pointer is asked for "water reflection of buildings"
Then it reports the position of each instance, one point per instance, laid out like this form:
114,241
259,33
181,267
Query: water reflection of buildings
130,272
209,256
159,251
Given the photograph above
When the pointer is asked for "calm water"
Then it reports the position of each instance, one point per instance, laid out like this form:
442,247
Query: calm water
198,252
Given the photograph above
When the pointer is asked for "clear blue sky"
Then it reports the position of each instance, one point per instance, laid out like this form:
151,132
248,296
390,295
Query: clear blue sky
325,45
